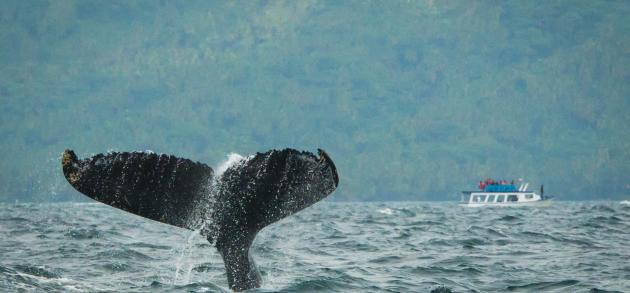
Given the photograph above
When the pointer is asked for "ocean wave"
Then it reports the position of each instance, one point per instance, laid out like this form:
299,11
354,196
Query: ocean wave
342,283
397,211
80,234
37,271
123,253
508,218
432,270
331,247
543,286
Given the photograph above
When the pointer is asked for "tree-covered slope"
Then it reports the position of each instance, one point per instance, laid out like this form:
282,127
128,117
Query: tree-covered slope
413,100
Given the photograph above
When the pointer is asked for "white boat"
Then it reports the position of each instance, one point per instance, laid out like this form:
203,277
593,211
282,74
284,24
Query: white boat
504,195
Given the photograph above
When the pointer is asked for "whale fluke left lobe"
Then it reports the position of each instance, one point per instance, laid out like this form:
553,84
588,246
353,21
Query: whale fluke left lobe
159,187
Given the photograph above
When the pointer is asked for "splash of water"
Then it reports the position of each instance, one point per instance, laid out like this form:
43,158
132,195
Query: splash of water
232,159
386,211
185,263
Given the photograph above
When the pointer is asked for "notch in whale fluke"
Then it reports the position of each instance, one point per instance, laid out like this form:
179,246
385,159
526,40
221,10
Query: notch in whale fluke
244,199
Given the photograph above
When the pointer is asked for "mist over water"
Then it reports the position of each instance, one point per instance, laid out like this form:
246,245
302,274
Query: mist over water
331,247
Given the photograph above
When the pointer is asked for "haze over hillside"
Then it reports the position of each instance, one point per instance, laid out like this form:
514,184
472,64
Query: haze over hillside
414,100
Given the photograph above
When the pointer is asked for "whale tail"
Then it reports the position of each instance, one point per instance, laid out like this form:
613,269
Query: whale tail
246,198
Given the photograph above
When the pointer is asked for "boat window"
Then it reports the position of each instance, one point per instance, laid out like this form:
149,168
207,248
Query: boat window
479,198
512,197
500,198
529,196
491,198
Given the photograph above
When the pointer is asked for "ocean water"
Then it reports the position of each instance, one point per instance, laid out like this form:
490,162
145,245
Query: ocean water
330,247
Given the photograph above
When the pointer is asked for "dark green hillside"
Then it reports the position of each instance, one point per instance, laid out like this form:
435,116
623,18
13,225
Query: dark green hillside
413,100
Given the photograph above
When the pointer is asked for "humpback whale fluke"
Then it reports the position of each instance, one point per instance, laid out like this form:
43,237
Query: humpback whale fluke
230,208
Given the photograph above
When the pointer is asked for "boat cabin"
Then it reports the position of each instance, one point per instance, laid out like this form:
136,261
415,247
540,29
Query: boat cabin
472,197
500,193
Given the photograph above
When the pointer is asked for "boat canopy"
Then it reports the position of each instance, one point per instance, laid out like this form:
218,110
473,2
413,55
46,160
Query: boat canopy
491,185
500,188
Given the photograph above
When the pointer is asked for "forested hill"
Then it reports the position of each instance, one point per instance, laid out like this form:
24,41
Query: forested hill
414,100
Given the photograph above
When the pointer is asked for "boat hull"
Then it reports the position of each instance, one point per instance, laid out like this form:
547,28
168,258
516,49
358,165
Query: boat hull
538,203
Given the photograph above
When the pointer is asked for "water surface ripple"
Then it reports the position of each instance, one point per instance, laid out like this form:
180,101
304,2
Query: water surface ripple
334,247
